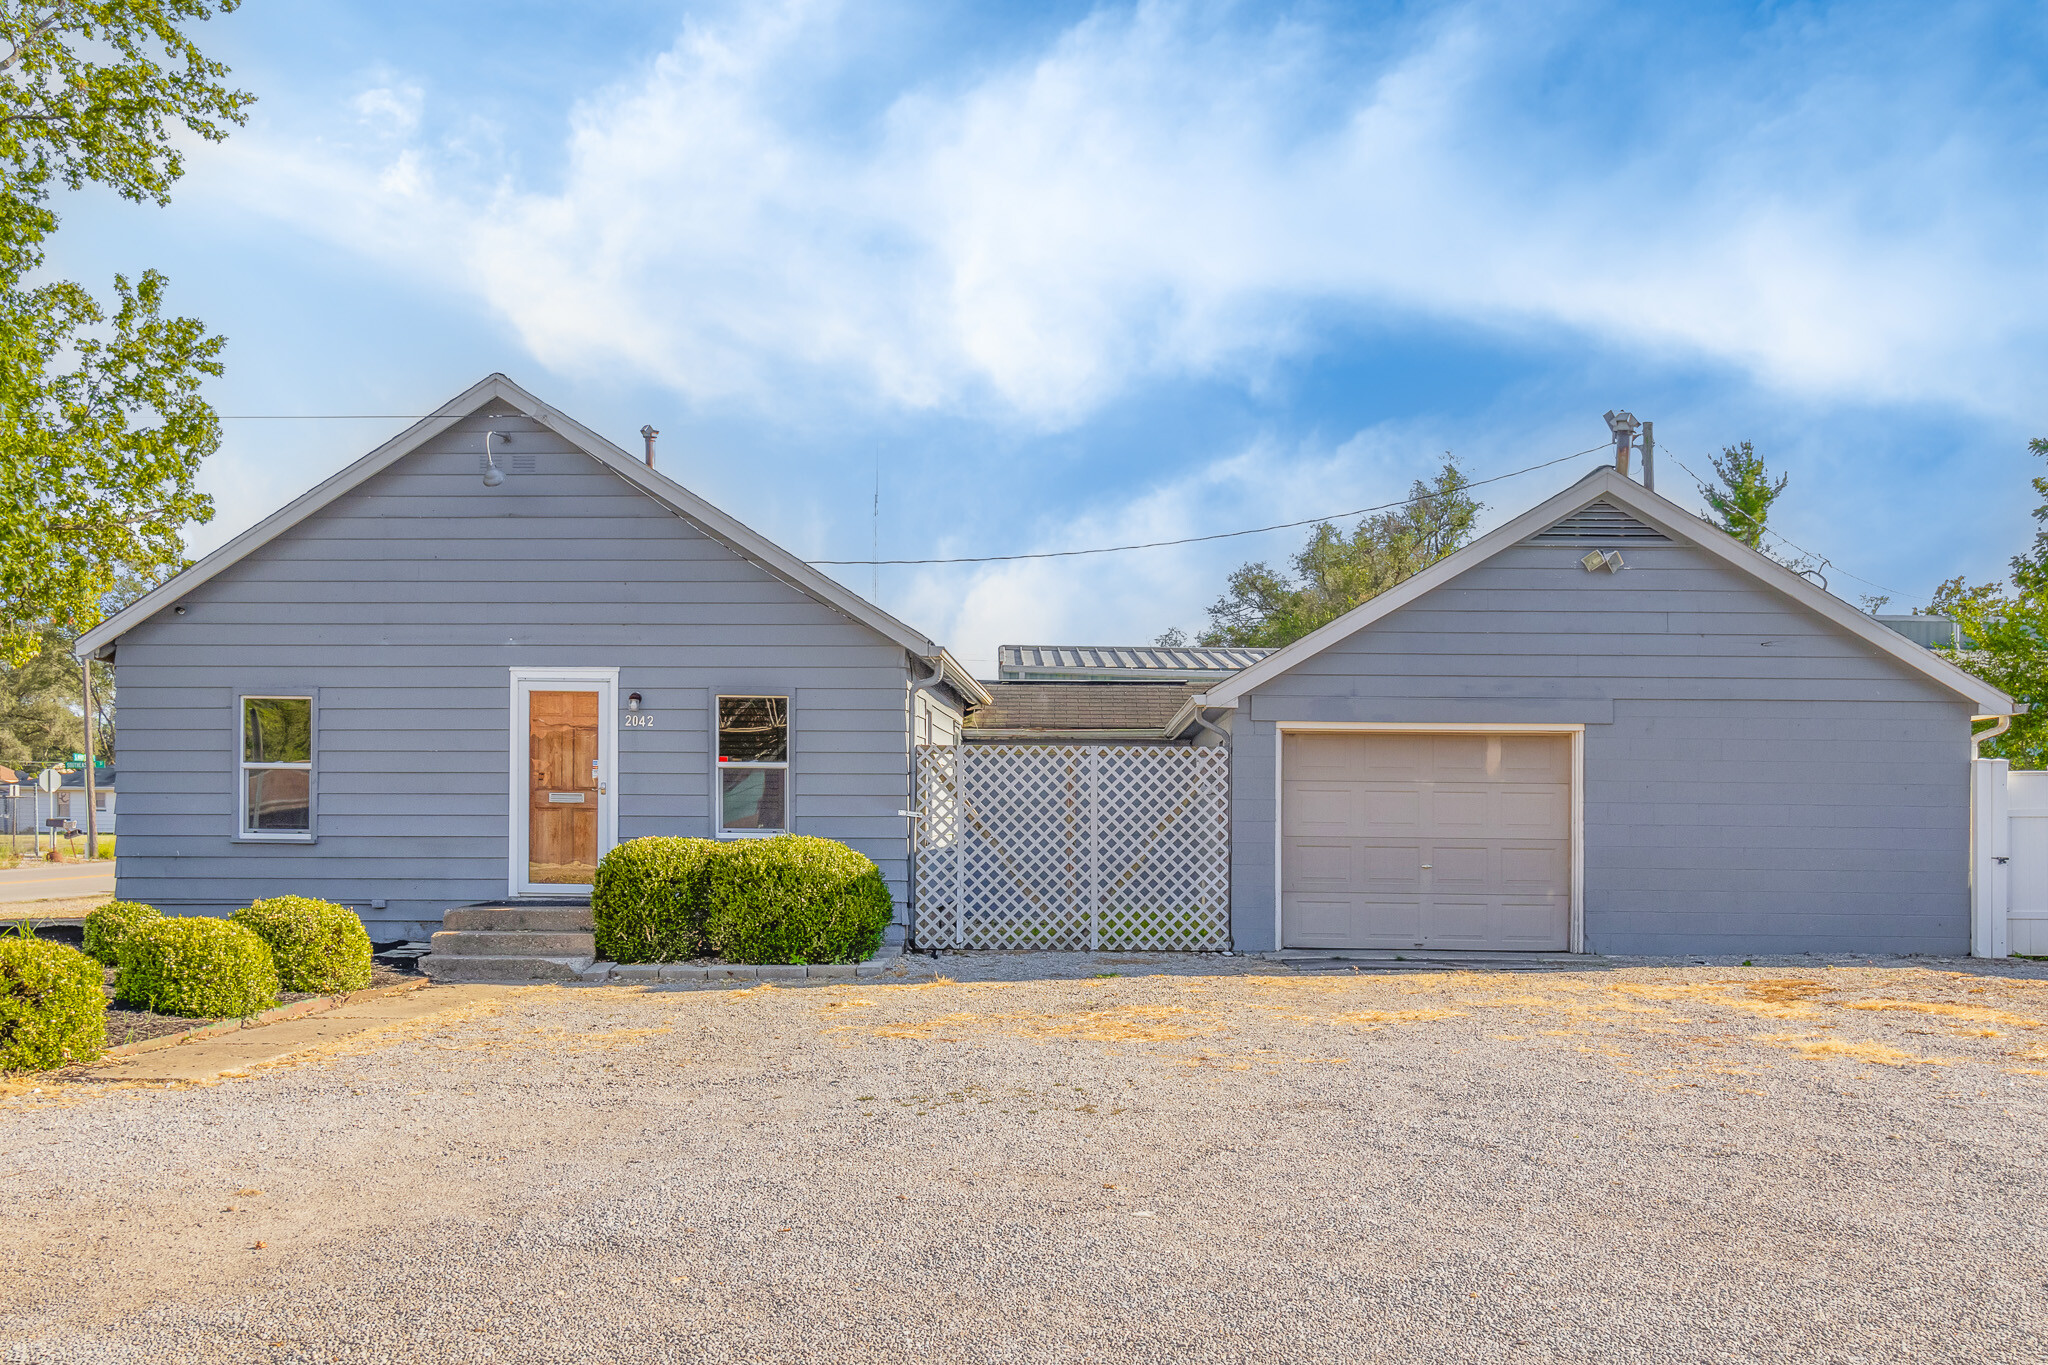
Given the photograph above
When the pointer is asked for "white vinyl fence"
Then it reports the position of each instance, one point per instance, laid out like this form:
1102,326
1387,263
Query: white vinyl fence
2008,860
1072,846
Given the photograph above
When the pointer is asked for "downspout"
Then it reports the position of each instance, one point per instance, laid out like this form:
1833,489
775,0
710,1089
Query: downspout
1977,740
1222,735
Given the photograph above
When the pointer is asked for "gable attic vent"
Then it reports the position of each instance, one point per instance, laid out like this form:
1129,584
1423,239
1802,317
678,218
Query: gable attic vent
1604,522
511,464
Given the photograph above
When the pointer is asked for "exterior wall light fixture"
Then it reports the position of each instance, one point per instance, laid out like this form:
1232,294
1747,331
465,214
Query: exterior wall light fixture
1596,560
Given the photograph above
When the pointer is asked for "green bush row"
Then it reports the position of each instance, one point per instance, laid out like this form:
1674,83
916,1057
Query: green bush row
789,899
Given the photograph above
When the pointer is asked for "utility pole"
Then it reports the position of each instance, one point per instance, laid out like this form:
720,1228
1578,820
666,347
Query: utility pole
92,805
1623,425
1650,456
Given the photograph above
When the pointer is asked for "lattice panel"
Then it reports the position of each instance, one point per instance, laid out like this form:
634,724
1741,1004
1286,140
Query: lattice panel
1073,846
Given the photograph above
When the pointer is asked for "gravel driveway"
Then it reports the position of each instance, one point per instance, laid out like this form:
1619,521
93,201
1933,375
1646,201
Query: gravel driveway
1656,1164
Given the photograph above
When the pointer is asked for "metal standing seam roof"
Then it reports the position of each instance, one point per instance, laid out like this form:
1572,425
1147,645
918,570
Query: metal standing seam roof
1132,658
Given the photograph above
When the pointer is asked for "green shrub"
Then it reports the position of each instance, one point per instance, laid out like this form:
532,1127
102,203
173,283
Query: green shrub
647,904
197,966
794,898
53,1005
317,945
108,925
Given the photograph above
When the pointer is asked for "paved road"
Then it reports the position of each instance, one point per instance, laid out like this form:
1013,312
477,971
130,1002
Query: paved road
1812,1164
47,881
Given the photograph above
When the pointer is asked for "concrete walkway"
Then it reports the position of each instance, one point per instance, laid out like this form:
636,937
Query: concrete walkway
47,881
208,1058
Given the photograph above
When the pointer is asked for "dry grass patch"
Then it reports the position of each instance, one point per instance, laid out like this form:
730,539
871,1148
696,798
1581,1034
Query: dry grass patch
1844,1050
1975,1014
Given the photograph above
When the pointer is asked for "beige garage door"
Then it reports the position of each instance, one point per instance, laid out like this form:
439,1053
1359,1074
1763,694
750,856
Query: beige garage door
1426,841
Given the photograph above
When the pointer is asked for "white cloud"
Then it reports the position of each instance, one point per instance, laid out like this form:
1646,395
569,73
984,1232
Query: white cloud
1156,193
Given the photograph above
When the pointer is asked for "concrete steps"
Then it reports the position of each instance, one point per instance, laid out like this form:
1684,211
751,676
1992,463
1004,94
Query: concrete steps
545,941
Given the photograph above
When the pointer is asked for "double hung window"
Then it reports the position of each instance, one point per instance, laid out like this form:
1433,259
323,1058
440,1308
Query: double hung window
753,765
277,767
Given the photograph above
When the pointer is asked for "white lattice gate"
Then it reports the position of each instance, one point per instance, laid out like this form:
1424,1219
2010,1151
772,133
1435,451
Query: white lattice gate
1073,846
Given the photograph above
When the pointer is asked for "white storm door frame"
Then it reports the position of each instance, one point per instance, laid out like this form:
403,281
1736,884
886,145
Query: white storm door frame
1282,729
603,681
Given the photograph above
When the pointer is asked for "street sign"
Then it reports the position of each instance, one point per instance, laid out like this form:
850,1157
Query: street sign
78,758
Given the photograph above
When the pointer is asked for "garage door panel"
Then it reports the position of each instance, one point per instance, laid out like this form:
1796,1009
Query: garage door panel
1391,867
1535,758
1529,812
1323,865
1352,921
1389,810
1458,810
1543,868
1322,808
1426,840
1460,867
1458,758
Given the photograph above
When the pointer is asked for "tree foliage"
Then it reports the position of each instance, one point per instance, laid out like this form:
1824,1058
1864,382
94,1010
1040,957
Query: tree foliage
2005,636
1743,497
102,426
1334,572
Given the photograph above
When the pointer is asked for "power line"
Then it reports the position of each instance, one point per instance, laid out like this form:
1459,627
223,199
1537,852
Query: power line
1814,555
323,416
1219,535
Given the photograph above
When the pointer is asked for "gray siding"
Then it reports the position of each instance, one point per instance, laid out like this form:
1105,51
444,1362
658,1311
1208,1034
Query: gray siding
1756,778
405,603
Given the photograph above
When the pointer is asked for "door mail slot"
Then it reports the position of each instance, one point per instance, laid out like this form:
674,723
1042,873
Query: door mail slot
566,798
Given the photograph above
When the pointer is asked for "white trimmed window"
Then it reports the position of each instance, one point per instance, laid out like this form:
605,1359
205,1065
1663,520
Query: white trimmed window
753,765
277,767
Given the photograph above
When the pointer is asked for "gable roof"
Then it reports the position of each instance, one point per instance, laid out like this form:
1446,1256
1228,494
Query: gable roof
741,539
1620,493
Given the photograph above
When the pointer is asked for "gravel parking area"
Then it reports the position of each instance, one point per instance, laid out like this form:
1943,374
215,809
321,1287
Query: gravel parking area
1226,1162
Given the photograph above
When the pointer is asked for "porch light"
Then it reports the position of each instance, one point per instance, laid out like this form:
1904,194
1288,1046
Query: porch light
632,701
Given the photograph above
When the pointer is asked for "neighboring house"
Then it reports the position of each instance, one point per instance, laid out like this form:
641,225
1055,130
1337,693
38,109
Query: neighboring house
70,798
1121,663
463,667
1077,712
1935,632
1603,726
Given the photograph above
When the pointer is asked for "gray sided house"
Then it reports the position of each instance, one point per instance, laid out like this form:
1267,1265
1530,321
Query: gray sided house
466,665
1605,726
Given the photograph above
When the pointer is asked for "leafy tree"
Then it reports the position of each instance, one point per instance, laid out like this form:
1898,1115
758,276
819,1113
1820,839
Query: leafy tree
2005,636
1743,498
102,427
40,720
1335,572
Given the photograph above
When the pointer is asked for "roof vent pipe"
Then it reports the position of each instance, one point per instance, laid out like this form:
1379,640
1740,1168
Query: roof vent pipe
648,433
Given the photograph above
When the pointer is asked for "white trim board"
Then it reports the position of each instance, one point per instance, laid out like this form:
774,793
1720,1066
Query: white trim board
1666,516
1576,934
605,681
739,538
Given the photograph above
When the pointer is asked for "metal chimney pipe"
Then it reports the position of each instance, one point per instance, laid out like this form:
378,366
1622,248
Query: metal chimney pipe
648,433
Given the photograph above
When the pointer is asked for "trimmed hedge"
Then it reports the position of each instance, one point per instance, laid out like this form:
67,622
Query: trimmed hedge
794,898
196,966
647,904
108,925
53,1008
316,945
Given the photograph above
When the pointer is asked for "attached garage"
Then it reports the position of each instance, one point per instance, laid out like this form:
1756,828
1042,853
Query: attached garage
1398,838
1605,726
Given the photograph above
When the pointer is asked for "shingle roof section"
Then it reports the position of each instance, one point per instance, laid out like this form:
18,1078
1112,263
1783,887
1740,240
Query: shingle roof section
1080,706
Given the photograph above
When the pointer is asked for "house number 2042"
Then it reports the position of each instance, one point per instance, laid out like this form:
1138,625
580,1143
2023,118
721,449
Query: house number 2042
638,720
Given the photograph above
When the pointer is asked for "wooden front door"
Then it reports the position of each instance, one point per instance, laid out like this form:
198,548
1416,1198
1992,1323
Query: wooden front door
565,786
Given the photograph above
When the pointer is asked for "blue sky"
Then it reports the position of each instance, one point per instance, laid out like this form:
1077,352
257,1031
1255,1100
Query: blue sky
1074,275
